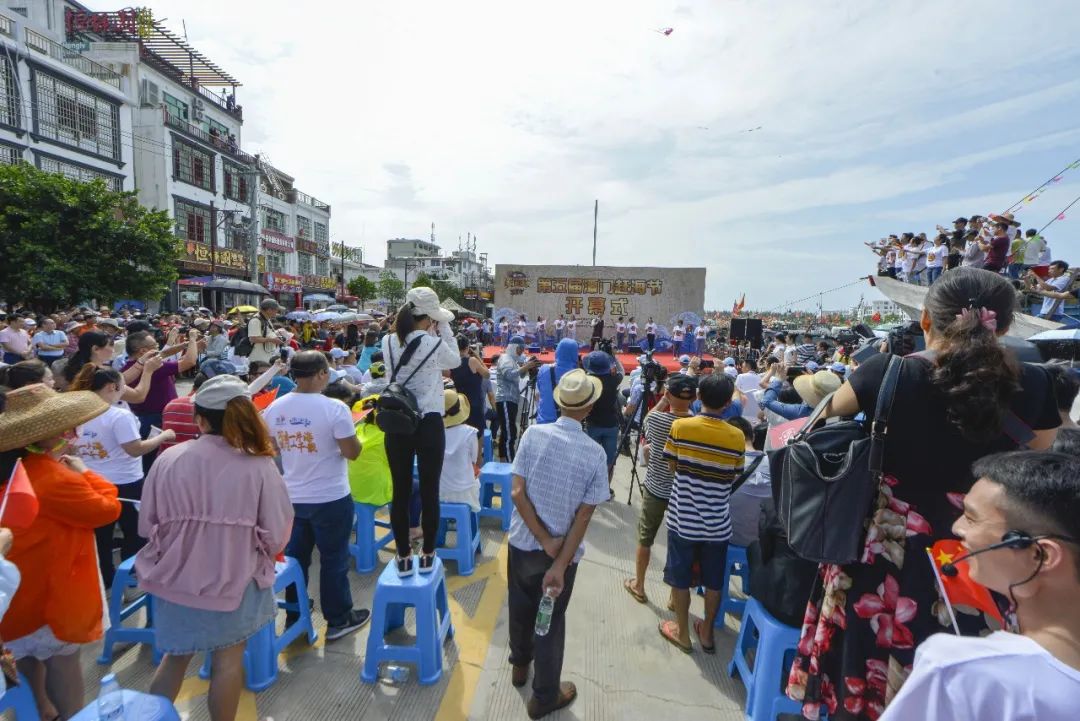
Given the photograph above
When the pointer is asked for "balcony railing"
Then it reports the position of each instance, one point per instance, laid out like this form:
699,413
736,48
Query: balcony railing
313,202
7,26
217,100
217,143
86,66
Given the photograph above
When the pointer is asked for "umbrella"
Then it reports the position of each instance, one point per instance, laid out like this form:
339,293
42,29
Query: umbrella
244,309
354,318
338,307
299,315
236,286
1058,334
331,316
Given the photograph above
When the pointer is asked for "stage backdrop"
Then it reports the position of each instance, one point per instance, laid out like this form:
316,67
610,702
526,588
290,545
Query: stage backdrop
666,294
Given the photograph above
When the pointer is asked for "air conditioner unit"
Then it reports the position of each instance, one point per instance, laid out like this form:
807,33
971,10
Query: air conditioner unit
198,109
291,196
150,94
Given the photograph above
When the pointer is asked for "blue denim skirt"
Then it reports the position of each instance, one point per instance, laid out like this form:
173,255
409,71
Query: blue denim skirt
182,630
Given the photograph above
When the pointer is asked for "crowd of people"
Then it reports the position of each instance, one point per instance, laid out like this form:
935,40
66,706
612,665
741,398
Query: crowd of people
281,435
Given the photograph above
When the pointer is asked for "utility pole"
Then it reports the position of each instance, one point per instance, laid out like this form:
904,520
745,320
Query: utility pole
595,214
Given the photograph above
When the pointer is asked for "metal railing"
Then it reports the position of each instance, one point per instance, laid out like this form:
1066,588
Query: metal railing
7,26
217,100
86,66
313,202
197,132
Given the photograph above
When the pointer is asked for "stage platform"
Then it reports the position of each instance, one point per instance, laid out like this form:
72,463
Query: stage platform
628,360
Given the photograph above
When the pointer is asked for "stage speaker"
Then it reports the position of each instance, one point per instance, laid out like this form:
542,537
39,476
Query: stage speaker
755,332
738,329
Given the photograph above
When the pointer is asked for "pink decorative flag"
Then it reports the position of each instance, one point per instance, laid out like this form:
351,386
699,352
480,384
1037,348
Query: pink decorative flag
1056,180
1061,217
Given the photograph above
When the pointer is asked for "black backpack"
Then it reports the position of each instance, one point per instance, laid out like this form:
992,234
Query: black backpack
242,345
397,410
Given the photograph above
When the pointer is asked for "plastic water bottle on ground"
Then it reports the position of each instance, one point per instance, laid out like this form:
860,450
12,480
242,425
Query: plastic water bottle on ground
394,674
543,615
110,700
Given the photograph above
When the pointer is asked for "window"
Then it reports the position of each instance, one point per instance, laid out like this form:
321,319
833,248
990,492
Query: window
236,181
9,154
9,94
303,227
192,221
177,109
233,238
223,131
79,172
322,266
192,165
307,263
73,116
275,261
273,219
321,232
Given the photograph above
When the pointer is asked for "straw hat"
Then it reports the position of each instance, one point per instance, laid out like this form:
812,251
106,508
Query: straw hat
36,412
813,388
452,400
578,389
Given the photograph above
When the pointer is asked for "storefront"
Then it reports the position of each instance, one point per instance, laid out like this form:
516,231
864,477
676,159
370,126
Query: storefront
198,266
320,285
285,289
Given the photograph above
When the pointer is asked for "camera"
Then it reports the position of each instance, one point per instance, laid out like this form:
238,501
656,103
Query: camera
606,345
707,364
651,371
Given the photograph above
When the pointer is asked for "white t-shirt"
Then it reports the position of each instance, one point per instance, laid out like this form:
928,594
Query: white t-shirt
650,328
935,256
540,325
560,324
504,327
677,333
778,351
749,384
632,328
306,428
1033,248
520,327
461,453
99,442
571,324
620,327
1001,676
699,332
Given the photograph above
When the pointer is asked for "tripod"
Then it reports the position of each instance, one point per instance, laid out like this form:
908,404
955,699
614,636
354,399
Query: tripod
638,420
528,406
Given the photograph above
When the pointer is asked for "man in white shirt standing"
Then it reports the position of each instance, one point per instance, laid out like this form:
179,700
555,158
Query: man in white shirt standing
620,334
678,332
560,328
699,338
1058,281
316,438
1021,533
260,329
631,333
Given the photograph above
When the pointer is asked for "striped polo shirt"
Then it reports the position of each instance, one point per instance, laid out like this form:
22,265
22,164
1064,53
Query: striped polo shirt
707,454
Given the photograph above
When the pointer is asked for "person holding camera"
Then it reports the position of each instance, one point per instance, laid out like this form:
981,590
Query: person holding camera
602,423
512,367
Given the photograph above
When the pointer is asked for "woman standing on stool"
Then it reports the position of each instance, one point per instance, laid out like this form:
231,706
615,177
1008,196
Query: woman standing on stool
428,356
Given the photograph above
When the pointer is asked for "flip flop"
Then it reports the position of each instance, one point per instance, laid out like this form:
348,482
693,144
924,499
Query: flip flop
665,630
698,623
628,584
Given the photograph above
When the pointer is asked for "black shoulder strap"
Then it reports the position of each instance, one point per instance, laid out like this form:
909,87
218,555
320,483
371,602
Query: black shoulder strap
407,355
551,374
746,474
879,426
410,349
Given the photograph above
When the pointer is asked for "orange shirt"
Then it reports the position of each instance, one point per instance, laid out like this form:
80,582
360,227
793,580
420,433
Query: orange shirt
56,555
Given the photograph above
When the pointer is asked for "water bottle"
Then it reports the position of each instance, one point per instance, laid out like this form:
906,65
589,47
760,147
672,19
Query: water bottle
110,701
394,675
543,615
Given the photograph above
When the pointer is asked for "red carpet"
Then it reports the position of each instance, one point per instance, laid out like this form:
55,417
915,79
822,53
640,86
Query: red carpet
628,360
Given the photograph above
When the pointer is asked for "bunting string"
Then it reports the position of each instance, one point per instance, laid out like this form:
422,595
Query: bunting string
1056,178
861,279
1059,216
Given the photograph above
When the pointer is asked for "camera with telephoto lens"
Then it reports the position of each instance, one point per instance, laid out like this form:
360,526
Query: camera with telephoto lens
606,345
651,371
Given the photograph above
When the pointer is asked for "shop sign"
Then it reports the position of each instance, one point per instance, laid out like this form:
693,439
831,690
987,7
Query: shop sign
320,282
274,240
487,295
470,293
196,252
306,246
131,22
282,283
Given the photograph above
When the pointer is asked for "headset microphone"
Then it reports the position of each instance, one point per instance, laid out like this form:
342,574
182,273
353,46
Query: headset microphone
1012,539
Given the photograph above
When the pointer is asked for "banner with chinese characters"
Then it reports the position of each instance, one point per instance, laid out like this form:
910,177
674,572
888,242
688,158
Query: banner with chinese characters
307,246
282,283
319,282
274,240
196,252
601,291
470,293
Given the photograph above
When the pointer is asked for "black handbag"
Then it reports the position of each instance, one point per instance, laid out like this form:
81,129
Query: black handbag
397,410
829,478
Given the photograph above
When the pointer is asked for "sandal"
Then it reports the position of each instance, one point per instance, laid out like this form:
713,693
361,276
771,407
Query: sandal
665,629
628,584
698,624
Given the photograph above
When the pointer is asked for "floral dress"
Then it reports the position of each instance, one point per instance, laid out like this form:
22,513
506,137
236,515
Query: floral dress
864,620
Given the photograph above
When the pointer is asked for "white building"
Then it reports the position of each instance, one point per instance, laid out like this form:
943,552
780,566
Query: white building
59,109
408,257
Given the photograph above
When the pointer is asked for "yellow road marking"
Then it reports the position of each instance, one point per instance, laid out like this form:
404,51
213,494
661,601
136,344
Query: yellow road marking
473,635
194,689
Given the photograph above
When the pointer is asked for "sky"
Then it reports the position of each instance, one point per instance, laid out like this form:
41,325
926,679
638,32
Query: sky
763,140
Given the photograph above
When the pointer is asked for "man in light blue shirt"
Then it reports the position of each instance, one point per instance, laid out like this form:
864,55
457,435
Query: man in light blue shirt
49,343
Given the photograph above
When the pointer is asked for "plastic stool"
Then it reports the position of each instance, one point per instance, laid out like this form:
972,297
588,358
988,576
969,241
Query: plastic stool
261,650
20,700
368,542
426,592
491,475
736,564
467,525
489,451
776,645
118,613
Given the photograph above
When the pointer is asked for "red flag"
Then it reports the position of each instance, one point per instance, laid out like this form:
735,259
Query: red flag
960,589
875,318
20,505
264,399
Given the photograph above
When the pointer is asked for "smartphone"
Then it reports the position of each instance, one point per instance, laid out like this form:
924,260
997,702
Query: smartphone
284,354
154,431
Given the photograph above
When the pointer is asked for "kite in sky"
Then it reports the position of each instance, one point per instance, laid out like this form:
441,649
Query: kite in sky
665,31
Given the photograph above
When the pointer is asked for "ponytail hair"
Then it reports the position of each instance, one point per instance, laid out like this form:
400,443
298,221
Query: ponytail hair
23,373
977,376
88,341
92,378
405,322
240,425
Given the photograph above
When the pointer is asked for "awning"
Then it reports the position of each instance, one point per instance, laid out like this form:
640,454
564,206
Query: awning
318,298
196,281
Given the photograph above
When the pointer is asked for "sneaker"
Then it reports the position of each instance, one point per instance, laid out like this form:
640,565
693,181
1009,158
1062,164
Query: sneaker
405,566
427,563
355,621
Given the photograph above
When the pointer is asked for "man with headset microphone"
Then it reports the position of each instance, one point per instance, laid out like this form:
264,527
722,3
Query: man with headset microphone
1021,533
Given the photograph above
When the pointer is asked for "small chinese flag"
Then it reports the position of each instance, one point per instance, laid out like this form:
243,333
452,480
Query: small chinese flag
19,507
264,399
960,589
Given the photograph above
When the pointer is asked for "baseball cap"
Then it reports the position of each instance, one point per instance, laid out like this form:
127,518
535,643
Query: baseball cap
731,371
337,374
337,353
516,340
682,386
838,368
684,360
812,366
729,361
216,393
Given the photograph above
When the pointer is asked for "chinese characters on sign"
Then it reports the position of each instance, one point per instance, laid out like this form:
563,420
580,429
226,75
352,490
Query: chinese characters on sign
131,22
274,240
282,283
588,293
306,246
196,252
319,282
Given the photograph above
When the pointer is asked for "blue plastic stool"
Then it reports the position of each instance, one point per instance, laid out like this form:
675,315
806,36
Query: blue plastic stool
467,525
118,613
366,549
489,451
426,592
736,564
491,475
261,650
20,700
776,645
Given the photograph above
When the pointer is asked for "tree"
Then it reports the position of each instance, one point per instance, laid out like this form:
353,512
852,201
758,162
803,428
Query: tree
363,289
422,280
391,288
443,288
66,241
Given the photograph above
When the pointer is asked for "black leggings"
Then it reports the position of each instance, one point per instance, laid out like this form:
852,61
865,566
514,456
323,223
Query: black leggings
427,445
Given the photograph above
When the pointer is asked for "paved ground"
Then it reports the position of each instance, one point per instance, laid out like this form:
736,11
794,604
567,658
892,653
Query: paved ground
622,668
